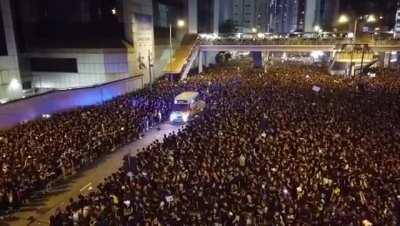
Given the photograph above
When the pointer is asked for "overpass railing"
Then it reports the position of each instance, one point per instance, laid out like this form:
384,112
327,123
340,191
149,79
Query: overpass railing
295,41
182,55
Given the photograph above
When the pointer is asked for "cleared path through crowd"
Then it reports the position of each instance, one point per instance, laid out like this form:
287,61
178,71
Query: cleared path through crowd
39,211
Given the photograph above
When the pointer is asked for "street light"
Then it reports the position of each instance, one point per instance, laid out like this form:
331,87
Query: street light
260,35
344,19
254,30
317,28
180,23
371,19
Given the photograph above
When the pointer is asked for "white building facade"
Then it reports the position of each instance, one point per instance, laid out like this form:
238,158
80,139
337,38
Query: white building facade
10,80
78,67
35,69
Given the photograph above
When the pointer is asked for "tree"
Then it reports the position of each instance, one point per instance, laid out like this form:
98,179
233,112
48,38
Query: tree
228,26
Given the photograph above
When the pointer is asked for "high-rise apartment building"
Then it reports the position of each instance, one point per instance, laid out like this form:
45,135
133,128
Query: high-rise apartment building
226,11
262,11
244,14
321,13
280,16
301,9
283,16
396,29
249,15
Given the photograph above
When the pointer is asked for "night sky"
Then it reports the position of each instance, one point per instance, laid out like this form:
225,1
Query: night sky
385,8
368,6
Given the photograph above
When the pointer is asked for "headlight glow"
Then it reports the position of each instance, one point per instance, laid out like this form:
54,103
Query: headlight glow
179,116
172,117
185,116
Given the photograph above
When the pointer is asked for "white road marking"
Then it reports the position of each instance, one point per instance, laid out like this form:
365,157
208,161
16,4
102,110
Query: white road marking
86,186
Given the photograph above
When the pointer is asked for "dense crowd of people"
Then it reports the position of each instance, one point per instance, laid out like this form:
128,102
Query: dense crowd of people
36,154
292,146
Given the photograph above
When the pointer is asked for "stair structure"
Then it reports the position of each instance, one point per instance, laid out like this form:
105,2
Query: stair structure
184,56
352,59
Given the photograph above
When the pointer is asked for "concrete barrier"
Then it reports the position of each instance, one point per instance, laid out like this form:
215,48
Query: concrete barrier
15,112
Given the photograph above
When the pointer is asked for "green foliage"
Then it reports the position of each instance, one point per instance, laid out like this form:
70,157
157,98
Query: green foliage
228,27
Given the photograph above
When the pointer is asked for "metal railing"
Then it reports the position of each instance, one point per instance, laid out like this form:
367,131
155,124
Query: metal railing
296,41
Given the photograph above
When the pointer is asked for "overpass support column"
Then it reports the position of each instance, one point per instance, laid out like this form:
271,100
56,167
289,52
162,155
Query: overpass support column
332,55
386,59
257,58
265,61
201,56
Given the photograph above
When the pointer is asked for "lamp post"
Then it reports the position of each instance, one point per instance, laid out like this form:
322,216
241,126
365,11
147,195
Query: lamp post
355,29
344,19
179,23
150,71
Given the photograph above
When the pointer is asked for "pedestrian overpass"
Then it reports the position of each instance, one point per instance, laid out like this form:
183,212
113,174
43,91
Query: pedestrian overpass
195,52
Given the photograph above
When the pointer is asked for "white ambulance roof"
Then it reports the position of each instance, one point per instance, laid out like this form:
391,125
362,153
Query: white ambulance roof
186,96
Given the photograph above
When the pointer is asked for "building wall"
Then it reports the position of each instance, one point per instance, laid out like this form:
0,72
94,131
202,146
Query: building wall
331,13
205,13
139,31
262,11
321,13
244,14
249,10
57,101
293,15
301,15
311,7
10,81
226,11
237,12
396,28
162,54
192,16
94,66
216,15
283,16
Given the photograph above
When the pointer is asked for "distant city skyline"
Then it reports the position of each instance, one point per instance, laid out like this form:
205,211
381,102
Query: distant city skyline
279,16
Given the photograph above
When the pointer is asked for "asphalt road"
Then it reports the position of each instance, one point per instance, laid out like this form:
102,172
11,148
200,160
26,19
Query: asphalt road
39,211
